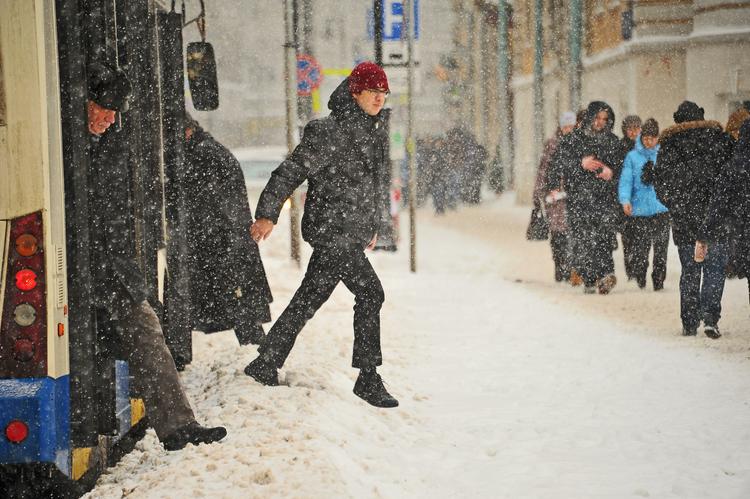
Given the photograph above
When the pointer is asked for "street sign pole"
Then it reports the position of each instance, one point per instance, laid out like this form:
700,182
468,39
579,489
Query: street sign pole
290,72
410,146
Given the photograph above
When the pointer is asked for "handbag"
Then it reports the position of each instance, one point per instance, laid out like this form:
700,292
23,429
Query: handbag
538,229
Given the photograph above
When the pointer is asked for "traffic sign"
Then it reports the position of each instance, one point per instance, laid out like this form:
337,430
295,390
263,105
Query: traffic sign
309,74
392,21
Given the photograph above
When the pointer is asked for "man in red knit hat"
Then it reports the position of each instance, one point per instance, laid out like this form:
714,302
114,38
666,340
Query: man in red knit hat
342,157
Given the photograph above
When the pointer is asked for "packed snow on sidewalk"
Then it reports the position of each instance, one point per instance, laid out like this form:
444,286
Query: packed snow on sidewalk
511,386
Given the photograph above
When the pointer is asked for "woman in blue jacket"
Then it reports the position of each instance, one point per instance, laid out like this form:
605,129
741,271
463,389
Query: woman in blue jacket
650,220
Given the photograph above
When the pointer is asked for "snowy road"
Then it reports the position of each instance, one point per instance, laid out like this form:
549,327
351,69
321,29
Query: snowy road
511,386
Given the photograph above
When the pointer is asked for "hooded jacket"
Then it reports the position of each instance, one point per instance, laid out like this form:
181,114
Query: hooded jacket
642,197
591,200
342,157
692,155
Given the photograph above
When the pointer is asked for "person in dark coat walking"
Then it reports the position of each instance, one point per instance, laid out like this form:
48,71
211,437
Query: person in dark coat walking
693,153
648,219
118,279
342,157
730,206
588,162
228,284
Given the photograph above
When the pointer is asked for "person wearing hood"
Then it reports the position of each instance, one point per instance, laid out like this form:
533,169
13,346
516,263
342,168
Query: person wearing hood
119,292
649,220
228,284
587,162
693,153
342,157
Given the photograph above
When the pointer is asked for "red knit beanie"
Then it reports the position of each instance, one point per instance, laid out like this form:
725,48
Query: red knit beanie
367,76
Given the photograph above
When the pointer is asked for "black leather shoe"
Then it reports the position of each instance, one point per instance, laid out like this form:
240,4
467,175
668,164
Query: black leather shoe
712,332
263,372
195,434
689,331
369,387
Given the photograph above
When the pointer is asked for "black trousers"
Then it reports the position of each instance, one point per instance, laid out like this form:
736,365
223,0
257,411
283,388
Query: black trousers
327,267
648,232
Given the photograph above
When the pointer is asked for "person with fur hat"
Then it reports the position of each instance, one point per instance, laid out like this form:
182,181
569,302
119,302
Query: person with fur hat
343,158
119,290
693,153
588,162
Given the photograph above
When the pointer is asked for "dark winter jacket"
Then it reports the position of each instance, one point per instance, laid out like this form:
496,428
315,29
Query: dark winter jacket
228,283
730,203
691,156
118,280
342,157
591,200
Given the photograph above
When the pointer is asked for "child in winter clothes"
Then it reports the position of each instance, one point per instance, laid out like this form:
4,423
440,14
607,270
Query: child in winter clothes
649,217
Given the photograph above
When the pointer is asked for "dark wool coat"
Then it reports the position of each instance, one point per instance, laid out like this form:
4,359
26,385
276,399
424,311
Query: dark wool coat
730,203
228,284
591,201
342,157
691,156
118,280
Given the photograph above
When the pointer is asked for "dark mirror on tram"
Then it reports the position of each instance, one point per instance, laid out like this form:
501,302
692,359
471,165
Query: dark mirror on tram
201,72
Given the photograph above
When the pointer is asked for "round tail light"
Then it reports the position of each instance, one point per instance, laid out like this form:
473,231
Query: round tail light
26,279
24,315
16,431
26,245
23,349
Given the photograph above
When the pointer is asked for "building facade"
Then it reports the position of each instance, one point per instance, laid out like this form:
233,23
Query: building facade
642,57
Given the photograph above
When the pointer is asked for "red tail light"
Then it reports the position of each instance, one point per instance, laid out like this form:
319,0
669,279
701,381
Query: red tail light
16,431
23,337
26,279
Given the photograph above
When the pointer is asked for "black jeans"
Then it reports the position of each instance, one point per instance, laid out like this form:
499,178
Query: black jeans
702,285
645,233
327,267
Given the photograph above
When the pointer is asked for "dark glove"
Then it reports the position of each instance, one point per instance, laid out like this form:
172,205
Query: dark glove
647,175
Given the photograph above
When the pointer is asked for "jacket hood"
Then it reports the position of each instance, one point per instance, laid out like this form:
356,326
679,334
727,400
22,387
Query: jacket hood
341,102
689,125
649,154
591,111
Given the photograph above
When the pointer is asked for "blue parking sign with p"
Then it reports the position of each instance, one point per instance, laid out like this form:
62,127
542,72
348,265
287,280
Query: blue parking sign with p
392,21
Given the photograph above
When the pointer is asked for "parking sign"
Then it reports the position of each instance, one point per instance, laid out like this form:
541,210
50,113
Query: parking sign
392,21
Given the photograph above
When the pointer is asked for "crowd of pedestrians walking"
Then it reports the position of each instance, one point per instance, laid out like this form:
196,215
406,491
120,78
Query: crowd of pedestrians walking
691,177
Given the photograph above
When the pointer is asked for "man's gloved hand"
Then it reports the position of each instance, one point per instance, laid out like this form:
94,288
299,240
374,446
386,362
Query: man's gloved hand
647,175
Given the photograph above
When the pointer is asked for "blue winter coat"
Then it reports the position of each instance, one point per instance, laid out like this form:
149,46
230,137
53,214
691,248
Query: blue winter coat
642,197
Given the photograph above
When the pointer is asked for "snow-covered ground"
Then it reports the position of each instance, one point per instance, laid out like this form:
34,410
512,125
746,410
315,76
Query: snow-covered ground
511,386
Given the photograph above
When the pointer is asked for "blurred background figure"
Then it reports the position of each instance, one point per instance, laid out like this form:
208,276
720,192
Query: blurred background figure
555,203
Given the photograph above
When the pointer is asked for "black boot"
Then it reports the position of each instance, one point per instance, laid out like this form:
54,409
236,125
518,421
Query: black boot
263,372
249,333
195,434
369,387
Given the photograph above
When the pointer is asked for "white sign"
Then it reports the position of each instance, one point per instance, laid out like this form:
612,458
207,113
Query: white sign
398,79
